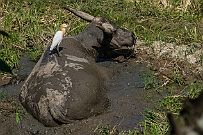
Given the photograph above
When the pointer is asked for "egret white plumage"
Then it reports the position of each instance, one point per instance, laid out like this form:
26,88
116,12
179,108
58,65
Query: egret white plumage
58,38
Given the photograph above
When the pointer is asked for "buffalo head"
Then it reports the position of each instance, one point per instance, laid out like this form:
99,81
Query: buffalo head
114,41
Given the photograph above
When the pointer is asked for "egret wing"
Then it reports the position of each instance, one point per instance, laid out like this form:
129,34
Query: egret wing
56,40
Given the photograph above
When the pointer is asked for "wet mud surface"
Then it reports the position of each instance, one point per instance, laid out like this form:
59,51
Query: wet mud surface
125,90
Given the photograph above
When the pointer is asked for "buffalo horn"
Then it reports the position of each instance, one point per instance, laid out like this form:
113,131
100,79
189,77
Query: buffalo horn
83,15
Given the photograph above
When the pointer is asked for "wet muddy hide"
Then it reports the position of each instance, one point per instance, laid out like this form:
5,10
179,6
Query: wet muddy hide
63,89
69,87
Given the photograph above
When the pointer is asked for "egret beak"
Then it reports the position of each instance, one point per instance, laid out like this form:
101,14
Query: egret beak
64,25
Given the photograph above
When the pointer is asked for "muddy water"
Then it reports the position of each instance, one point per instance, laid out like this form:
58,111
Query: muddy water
126,93
128,100
24,70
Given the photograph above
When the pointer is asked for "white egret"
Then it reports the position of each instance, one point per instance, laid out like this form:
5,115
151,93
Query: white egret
57,39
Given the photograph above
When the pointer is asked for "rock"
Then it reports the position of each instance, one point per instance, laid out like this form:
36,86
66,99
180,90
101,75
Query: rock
5,79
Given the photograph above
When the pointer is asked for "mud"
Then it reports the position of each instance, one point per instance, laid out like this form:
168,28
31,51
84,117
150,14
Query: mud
125,89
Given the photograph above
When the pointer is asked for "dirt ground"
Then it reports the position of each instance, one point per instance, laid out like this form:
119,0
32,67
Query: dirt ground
128,101
125,89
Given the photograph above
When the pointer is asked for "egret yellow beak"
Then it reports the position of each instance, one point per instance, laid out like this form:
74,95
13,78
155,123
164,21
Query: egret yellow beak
64,25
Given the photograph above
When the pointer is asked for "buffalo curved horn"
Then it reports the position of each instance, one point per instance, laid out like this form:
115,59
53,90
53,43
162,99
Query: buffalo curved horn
100,22
83,15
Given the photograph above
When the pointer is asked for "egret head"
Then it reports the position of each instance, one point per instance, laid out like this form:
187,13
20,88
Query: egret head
63,28
64,25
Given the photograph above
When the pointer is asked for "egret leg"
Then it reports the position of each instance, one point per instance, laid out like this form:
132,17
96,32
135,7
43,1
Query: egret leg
57,51
57,48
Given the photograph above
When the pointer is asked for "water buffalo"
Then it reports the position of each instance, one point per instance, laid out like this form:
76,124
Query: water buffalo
69,87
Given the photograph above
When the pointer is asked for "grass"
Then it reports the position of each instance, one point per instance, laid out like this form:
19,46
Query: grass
32,24
18,116
2,95
177,77
102,130
172,103
106,130
149,80
155,124
194,89
155,121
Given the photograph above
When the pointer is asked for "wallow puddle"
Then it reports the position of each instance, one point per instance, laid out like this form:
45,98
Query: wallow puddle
125,90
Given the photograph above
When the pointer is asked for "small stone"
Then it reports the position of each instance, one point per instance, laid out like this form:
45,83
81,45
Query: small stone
5,79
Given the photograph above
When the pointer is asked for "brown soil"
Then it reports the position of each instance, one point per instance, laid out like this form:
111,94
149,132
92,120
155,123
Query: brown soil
125,90
165,66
